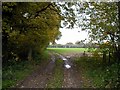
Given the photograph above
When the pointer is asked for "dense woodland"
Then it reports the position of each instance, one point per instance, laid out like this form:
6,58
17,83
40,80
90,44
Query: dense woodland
29,27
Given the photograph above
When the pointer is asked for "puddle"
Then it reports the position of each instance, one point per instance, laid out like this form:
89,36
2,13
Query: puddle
67,66
63,58
65,61
68,57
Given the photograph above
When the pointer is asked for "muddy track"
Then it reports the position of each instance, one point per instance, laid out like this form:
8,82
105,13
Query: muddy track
40,77
72,78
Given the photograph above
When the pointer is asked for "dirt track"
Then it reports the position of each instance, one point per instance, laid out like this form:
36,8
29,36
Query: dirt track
40,77
72,78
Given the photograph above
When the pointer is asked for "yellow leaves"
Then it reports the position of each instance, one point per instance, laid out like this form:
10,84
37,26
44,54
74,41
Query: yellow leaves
107,42
105,33
96,54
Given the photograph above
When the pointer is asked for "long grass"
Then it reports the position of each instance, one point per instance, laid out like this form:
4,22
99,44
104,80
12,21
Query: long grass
56,81
101,76
19,70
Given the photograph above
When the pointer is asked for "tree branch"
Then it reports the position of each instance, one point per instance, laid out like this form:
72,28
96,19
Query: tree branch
43,9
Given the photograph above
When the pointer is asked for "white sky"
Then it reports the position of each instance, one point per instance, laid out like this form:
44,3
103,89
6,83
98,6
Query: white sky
71,35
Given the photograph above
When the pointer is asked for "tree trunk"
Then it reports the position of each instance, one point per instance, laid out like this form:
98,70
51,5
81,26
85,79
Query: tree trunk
30,54
109,57
104,57
119,32
118,49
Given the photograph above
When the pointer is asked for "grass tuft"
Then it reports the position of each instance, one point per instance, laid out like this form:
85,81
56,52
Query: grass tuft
57,80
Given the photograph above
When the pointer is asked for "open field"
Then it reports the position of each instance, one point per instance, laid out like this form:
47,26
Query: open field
68,50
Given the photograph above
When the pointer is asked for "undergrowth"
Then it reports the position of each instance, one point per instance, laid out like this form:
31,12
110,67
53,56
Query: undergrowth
101,75
16,71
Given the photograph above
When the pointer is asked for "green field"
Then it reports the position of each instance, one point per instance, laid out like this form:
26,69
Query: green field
68,50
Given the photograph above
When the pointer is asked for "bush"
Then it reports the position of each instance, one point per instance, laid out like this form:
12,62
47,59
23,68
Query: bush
102,76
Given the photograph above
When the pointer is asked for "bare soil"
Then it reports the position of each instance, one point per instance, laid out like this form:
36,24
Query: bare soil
40,77
72,79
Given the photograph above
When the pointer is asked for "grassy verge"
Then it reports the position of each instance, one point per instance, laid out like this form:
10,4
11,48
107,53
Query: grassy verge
68,50
19,70
56,81
101,75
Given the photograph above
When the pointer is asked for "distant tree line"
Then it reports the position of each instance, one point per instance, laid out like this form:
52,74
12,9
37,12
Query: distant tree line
78,44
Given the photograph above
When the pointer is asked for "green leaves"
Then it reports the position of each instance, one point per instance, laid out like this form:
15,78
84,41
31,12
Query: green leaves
29,25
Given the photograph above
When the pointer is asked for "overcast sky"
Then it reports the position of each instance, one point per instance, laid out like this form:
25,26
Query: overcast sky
71,35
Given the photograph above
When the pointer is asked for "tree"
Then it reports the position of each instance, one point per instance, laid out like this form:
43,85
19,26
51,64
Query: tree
80,43
69,43
28,28
101,21
103,24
